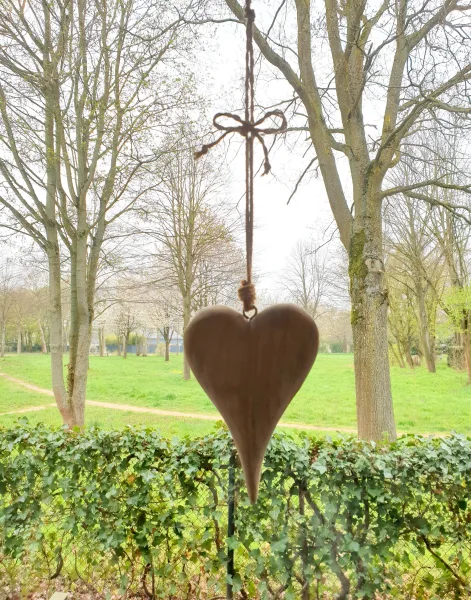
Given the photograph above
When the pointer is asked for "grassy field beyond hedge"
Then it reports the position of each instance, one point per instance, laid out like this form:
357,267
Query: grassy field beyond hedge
423,402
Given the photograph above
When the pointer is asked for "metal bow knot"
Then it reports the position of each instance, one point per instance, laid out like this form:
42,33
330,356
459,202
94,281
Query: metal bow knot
247,129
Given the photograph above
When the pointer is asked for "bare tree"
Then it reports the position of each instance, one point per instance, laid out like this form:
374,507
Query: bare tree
336,60
40,298
418,263
84,92
191,226
7,294
454,238
458,307
20,311
143,331
444,157
101,340
218,275
335,327
306,276
453,235
36,284
125,324
165,311
402,317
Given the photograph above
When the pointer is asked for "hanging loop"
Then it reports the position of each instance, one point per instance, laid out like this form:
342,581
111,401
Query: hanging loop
250,317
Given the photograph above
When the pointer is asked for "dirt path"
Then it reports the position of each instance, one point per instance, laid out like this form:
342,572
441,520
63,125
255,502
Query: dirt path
27,410
153,411
168,413
28,386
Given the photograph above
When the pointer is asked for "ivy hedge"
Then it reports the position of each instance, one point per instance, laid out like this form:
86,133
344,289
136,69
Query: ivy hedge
128,513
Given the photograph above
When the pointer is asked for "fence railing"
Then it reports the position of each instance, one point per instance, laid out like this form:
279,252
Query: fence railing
129,514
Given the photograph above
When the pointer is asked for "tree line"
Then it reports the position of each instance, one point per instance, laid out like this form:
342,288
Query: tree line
428,265
99,117
428,305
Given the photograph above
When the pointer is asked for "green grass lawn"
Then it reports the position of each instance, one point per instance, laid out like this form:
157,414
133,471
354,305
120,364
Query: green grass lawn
423,402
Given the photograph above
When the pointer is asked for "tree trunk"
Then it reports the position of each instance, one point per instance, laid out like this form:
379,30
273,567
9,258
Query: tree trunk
167,339
52,247
101,340
145,348
456,352
80,331
397,355
2,340
407,352
65,336
18,341
186,322
375,415
424,333
79,369
125,346
119,346
56,334
43,338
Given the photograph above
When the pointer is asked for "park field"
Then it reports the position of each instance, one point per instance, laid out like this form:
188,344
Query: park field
423,402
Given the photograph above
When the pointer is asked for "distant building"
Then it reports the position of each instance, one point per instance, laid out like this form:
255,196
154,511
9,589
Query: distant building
153,343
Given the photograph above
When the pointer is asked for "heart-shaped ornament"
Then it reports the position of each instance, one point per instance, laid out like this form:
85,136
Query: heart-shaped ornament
251,370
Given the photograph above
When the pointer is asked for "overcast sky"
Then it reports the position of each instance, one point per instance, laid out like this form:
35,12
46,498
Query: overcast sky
278,225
